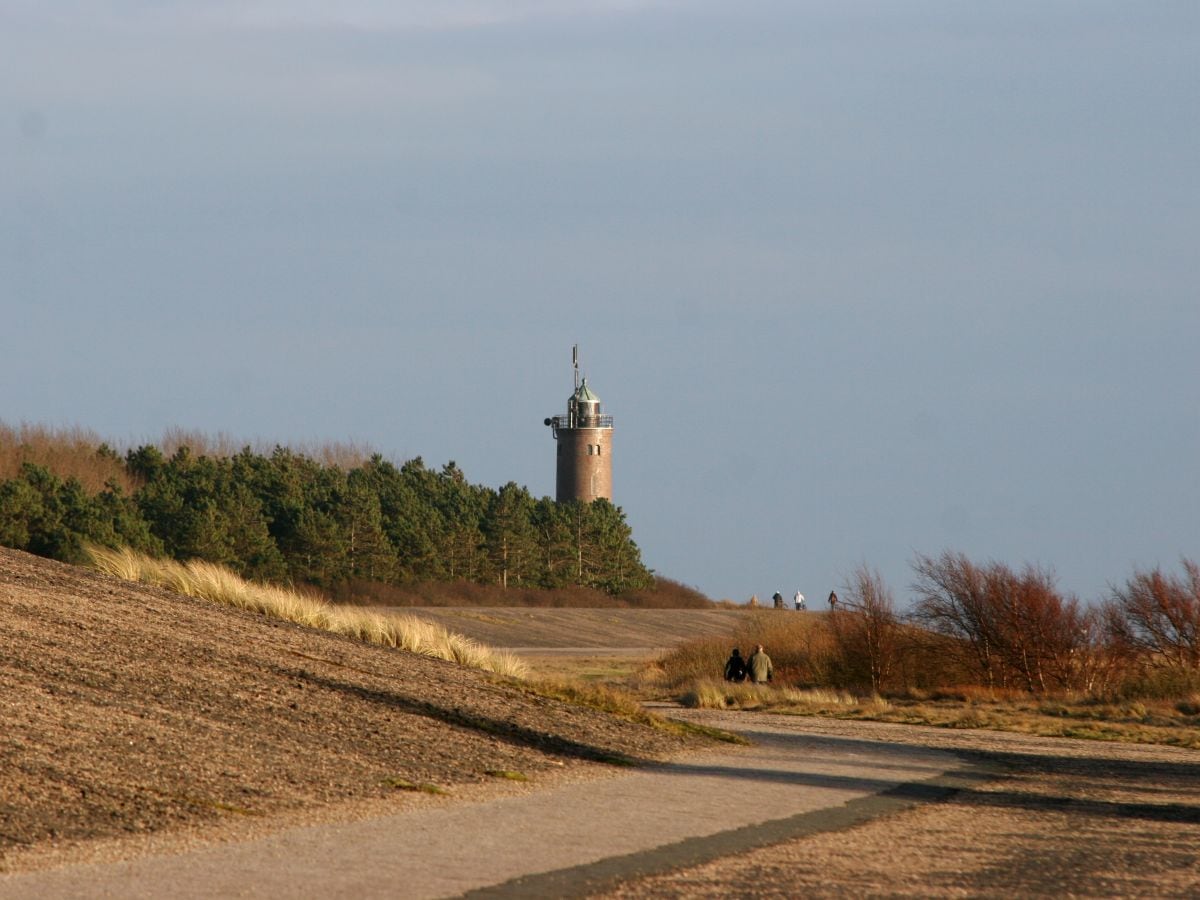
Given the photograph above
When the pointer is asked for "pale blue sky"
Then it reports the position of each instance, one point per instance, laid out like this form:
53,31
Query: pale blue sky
856,280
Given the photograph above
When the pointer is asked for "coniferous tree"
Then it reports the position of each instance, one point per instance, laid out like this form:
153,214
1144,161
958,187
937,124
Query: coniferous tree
287,517
509,535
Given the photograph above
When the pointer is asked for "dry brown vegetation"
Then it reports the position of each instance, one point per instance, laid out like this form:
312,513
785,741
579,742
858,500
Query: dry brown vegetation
1157,616
1011,628
666,594
72,452
986,647
218,584
79,453
344,455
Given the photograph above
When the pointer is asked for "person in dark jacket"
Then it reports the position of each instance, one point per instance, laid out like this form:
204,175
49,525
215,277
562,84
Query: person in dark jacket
735,666
759,666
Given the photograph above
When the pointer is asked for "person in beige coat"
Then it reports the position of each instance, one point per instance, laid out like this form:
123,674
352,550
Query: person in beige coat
759,665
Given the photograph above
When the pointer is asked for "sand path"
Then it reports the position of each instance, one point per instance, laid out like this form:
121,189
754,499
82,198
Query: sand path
567,840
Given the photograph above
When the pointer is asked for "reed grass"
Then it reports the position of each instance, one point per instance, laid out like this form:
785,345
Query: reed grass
217,584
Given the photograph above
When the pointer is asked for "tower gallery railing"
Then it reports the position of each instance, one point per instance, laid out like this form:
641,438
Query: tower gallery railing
557,422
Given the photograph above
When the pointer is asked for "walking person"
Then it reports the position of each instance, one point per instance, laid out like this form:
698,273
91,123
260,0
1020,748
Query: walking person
800,601
832,600
735,666
760,666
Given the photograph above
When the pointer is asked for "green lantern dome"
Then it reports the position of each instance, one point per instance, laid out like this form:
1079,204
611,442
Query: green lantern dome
584,394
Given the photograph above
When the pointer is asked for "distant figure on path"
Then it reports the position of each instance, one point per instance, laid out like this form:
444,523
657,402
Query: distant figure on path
754,601
800,601
778,599
760,666
832,600
735,666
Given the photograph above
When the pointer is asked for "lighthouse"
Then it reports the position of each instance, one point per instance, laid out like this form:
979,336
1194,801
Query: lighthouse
584,438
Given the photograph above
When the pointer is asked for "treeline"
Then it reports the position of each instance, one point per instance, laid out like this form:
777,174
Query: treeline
284,516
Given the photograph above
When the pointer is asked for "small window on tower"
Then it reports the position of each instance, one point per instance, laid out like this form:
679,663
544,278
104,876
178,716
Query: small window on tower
591,450
598,446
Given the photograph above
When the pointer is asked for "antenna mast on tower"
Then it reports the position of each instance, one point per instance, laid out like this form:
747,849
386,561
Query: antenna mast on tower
575,363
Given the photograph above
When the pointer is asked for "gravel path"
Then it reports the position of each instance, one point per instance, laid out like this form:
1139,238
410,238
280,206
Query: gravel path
816,808
566,840
1066,818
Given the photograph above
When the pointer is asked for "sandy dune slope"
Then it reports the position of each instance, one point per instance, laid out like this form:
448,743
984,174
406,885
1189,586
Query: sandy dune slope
127,710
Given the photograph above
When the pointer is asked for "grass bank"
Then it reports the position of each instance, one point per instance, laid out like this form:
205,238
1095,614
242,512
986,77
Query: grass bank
217,584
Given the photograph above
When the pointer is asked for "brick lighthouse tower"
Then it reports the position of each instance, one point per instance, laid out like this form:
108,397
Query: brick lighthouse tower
584,445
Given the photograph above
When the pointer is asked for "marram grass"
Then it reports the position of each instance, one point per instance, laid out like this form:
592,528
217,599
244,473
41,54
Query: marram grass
218,584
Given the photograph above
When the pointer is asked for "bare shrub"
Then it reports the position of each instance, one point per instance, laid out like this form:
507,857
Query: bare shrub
1016,627
866,631
221,445
67,452
1157,617
344,455
951,601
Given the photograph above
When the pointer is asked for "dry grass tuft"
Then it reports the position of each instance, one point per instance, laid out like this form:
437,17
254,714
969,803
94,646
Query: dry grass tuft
217,584
708,693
